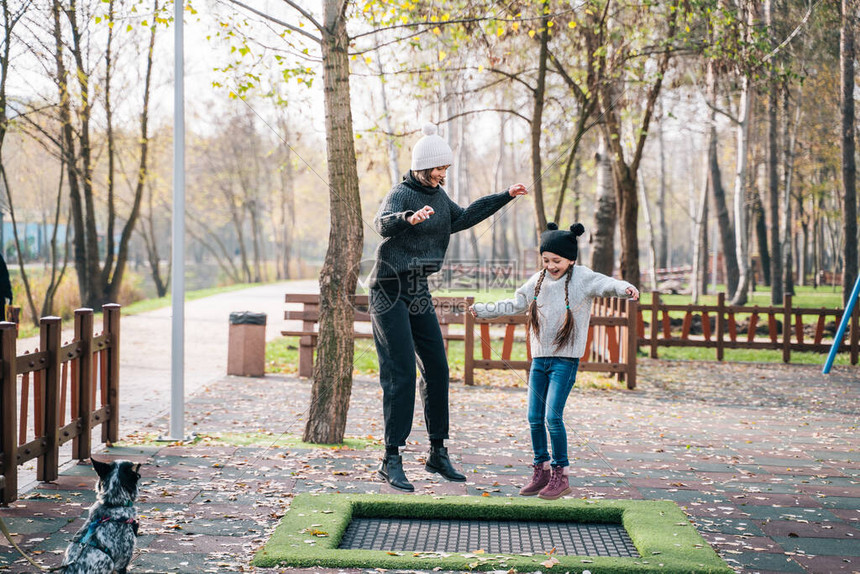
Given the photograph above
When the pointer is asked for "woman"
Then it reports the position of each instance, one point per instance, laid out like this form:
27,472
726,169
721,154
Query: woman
416,221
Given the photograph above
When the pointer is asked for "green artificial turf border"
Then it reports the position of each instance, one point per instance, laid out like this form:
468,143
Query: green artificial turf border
310,532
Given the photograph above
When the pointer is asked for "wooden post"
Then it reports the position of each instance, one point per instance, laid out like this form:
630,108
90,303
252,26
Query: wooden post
786,329
110,428
83,381
48,465
8,413
855,334
655,308
469,345
632,341
721,309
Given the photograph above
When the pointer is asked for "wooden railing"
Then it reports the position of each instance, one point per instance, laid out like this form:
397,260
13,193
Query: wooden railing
784,328
65,380
610,347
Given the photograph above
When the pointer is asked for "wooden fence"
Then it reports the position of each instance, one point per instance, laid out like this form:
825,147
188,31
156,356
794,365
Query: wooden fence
65,380
745,327
610,347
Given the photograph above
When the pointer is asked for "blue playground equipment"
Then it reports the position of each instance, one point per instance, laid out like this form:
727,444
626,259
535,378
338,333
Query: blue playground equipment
840,333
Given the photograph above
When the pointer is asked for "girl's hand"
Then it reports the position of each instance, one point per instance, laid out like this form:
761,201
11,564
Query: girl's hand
421,215
472,311
517,189
633,293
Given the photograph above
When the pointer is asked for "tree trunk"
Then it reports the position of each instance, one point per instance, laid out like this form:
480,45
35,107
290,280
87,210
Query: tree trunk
332,384
741,231
649,226
603,234
699,278
849,166
536,127
788,237
150,239
112,281
760,225
660,204
390,144
111,152
724,224
287,209
776,288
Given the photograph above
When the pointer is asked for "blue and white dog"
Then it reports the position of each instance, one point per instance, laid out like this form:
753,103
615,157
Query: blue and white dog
105,543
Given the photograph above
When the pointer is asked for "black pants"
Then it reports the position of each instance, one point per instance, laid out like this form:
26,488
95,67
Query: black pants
405,326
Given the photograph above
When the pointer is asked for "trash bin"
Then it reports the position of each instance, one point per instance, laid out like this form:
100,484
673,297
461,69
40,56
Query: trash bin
246,353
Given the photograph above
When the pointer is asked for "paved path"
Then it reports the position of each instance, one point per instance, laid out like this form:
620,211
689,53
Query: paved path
762,458
145,351
146,346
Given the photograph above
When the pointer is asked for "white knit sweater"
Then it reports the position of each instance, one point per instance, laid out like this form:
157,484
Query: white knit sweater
584,286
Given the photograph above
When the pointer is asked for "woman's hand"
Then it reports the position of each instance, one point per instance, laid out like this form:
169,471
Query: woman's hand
517,189
633,293
472,311
421,215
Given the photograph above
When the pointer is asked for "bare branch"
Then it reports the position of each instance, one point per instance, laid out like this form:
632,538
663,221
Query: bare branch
270,18
305,14
457,21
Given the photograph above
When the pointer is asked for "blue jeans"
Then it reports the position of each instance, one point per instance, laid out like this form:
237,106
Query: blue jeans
550,382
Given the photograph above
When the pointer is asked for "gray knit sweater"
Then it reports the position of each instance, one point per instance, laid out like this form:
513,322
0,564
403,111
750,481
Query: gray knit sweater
421,248
584,286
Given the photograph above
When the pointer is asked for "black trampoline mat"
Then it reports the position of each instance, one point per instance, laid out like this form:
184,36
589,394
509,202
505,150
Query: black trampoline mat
491,536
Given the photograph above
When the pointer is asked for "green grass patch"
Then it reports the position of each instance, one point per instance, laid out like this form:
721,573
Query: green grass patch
310,532
252,439
745,355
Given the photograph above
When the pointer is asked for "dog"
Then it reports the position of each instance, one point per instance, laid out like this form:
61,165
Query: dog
105,542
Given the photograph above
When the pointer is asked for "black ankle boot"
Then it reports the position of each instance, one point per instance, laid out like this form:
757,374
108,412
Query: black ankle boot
438,461
391,470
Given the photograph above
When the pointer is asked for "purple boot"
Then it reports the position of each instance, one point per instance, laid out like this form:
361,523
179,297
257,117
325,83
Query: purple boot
558,485
540,478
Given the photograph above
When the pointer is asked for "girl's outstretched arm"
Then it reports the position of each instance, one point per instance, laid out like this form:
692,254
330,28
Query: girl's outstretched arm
600,285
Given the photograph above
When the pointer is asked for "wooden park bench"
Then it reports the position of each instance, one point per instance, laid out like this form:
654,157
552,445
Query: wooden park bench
449,310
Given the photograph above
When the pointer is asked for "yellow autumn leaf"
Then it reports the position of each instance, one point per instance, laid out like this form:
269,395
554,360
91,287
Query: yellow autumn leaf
437,31
500,30
481,68
485,494
515,26
442,55
531,33
368,59
446,17
549,24
571,24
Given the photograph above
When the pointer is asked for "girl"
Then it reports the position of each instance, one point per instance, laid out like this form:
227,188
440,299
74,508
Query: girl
558,304
416,221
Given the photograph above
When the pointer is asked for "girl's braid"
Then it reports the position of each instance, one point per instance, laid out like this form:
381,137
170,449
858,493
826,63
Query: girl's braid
566,333
532,314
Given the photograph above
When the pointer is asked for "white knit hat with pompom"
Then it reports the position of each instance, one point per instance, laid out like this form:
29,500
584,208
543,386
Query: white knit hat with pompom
431,150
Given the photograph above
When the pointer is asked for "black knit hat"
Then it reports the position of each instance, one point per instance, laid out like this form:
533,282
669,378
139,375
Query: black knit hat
561,242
